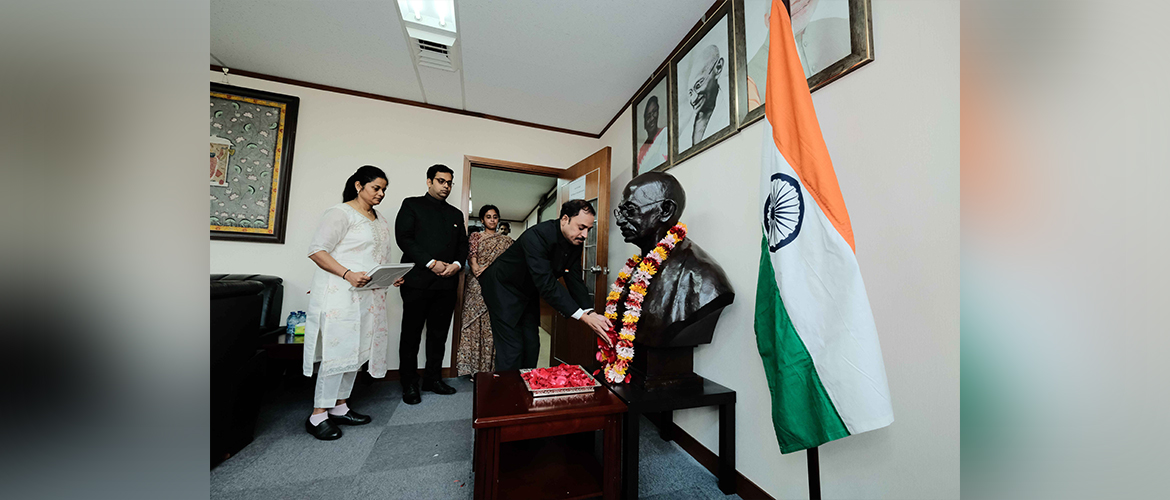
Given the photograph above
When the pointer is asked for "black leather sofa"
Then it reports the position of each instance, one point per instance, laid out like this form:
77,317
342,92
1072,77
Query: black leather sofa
244,309
271,301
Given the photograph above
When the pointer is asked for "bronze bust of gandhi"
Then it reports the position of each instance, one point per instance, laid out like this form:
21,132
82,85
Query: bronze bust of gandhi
684,300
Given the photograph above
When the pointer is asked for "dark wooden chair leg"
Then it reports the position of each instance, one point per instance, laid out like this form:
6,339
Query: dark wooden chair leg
727,448
630,455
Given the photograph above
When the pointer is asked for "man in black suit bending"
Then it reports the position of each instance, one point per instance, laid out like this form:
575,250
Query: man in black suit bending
431,234
527,271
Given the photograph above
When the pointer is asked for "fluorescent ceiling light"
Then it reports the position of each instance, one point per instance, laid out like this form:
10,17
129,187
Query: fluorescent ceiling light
433,14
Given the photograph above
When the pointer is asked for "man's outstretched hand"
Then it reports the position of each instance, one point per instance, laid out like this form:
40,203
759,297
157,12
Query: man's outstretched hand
600,325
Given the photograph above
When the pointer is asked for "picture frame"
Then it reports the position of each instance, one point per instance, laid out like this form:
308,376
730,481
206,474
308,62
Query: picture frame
706,64
654,97
827,56
252,134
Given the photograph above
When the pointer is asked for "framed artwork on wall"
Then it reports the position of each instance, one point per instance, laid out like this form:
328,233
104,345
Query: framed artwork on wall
833,38
251,137
652,126
701,90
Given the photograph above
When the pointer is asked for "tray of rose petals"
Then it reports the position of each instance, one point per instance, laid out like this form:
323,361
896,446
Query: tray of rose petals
558,380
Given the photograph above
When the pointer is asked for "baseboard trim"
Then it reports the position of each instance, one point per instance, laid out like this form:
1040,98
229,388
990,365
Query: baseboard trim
744,487
394,375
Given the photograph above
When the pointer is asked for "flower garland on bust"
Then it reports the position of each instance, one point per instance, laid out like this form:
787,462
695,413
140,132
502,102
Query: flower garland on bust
616,360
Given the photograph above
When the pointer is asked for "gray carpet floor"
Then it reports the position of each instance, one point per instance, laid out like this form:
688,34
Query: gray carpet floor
417,452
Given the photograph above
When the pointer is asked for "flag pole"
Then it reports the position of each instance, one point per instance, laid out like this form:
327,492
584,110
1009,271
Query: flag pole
814,473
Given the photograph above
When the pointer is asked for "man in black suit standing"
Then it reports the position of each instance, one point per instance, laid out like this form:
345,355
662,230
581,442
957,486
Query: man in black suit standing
431,234
527,271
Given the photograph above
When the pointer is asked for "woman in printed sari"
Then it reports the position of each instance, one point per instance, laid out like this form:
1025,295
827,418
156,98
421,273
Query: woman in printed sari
477,351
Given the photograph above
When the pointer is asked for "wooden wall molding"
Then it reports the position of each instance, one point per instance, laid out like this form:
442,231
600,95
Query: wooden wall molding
396,100
394,375
378,97
512,166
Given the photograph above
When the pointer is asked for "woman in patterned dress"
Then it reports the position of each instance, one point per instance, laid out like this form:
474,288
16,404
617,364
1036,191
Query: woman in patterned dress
477,351
345,329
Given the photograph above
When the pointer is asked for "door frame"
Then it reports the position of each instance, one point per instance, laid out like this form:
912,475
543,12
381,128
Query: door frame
464,201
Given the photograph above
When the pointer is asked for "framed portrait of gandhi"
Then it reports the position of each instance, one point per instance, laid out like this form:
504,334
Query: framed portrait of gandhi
652,126
832,37
251,139
702,93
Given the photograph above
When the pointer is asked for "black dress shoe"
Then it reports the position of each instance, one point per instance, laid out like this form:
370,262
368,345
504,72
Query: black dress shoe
350,418
410,395
324,431
438,387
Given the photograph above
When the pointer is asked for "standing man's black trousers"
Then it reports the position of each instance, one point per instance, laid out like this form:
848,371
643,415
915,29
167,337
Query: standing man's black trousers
518,346
432,308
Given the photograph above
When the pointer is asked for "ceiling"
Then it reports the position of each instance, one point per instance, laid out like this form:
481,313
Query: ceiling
514,193
566,64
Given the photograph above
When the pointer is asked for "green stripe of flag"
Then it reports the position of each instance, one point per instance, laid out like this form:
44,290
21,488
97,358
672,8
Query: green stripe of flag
802,412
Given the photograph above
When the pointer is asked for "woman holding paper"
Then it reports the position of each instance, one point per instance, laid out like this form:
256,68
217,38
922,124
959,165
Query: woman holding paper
345,329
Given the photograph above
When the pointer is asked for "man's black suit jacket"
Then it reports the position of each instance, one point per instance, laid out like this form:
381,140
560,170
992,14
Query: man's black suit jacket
529,270
429,228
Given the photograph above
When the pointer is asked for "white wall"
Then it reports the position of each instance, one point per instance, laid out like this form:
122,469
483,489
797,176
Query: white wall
893,132
892,129
336,134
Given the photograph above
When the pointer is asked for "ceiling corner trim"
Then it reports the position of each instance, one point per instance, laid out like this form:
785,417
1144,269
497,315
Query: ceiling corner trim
407,102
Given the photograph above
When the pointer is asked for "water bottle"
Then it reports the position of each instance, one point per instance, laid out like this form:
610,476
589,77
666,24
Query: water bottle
300,331
291,327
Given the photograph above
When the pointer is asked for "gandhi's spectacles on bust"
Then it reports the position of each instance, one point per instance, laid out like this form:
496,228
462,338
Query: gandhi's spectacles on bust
629,210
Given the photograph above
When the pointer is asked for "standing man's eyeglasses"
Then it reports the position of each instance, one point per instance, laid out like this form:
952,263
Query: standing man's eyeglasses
444,182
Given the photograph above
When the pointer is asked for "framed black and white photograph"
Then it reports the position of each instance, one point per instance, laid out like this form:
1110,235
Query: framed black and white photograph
752,21
652,126
832,37
702,93
251,137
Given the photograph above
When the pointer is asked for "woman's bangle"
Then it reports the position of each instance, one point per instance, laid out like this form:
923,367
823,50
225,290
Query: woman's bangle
345,273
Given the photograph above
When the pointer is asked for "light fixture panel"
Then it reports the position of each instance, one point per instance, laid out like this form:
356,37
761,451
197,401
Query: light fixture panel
429,15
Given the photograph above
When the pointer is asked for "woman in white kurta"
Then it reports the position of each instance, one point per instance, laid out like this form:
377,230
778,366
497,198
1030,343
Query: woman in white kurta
345,329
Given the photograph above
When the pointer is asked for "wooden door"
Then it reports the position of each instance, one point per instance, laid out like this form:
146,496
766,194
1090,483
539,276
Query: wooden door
572,341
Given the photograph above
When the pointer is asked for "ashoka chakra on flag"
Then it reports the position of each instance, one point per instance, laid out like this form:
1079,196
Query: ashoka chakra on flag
783,211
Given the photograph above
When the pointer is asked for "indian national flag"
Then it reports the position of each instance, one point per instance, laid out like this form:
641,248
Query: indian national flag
814,327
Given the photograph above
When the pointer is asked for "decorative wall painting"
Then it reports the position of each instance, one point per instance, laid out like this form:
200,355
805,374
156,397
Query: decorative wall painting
251,151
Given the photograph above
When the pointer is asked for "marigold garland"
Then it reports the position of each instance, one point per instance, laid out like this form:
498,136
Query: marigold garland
616,360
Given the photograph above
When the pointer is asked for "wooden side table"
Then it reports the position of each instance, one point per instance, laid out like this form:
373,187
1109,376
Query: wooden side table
663,403
281,348
511,462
